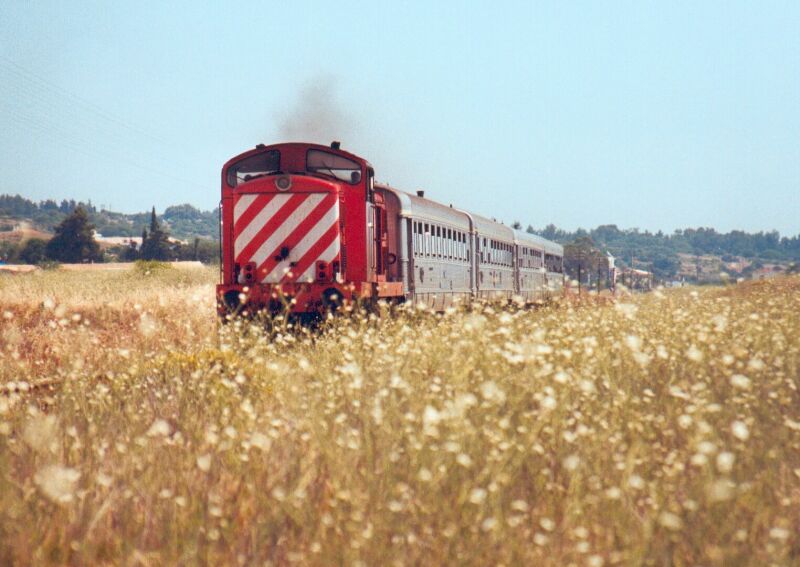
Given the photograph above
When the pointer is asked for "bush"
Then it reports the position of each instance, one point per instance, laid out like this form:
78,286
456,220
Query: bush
147,267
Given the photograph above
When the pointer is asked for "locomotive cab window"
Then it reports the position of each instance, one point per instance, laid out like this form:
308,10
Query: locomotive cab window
333,165
251,167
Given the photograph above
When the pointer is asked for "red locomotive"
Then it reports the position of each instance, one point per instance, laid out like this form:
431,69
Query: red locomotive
305,228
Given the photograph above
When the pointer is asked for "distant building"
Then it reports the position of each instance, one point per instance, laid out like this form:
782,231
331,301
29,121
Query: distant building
636,279
133,241
612,270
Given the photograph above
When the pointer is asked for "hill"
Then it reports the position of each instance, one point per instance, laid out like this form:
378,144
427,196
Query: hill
183,222
692,254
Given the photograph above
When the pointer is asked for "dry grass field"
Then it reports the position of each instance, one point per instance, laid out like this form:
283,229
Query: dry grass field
659,430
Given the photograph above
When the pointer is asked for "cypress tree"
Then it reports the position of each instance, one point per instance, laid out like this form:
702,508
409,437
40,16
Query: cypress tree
155,245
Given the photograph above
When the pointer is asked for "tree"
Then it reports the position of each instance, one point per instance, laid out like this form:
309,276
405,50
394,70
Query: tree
155,245
581,258
34,251
74,240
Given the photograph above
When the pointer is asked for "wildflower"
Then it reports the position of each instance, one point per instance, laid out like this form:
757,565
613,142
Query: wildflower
477,495
561,377
778,533
670,521
548,403
721,490
547,524
40,433
57,483
636,482
740,381
204,462
431,416
628,310
260,441
633,342
489,524
104,480
491,392
725,462
159,428
740,430
519,506
571,462
694,354
464,460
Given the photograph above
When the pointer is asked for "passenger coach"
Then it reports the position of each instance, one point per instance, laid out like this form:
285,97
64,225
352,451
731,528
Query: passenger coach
305,228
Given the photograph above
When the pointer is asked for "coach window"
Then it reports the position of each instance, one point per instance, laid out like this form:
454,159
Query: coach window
451,249
427,240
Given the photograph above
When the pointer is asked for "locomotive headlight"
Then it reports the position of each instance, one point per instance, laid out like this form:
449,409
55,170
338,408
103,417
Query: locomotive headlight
283,183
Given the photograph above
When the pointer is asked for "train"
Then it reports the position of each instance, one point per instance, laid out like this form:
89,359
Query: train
306,229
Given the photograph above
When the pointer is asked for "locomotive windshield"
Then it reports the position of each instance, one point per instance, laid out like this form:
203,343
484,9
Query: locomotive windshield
326,163
254,166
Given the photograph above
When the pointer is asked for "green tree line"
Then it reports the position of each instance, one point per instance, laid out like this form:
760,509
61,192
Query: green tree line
74,242
183,221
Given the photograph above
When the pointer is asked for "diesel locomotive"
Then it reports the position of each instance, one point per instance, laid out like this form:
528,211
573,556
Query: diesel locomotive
305,228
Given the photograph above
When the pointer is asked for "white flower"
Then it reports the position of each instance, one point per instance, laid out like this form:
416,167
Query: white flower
492,392
633,342
40,433
636,482
204,462
694,354
740,430
740,381
477,495
260,441
571,462
548,403
779,533
670,521
57,483
159,428
721,490
725,462
431,416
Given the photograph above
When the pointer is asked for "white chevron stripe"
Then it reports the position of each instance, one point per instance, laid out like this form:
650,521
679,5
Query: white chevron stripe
242,205
296,254
328,256
250,231
286,228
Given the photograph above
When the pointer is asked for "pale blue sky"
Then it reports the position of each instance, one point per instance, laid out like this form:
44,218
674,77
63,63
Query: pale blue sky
651,115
